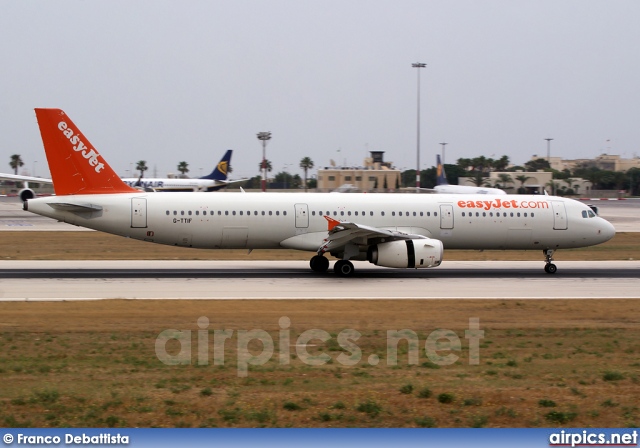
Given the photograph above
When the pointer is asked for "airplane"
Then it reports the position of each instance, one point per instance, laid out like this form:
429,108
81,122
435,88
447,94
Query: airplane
390,230
211,182
443,186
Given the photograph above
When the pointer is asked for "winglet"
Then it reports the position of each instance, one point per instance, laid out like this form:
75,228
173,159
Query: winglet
76,167
222,168
332,223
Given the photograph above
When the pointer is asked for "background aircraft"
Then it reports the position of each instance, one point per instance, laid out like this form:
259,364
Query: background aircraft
391,230
212,182
443,186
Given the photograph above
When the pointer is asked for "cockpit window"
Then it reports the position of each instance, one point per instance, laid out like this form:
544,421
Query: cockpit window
588,214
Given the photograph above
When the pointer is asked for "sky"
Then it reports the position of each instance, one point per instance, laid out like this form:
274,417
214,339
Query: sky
171,81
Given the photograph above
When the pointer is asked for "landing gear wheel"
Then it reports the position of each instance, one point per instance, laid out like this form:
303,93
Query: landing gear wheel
549,268
319,263
343,268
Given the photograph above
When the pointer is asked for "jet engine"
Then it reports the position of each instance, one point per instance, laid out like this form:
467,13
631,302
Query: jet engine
26,193
417,253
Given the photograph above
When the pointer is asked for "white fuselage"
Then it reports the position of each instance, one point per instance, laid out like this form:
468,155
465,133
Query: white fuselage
296,220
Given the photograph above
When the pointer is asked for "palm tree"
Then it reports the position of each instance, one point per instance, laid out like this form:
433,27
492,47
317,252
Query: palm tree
501,164
505,179
306,164
522,179
16,162
554,187
142,167
267,164
183,167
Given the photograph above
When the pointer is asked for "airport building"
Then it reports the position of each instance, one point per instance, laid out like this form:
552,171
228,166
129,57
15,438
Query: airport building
375,176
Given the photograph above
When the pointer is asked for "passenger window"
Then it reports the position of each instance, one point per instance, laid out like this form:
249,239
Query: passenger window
240,212
182,212
511,214
435,213
428,213
197,212
168,212
284,213
370,213
532,214
226,212
270,213
341,213
263,213
421,213
349,213
393,213
414,213
477,213
175,213
518,214
484,214
233,213
189,212
381,213
219,212
463,214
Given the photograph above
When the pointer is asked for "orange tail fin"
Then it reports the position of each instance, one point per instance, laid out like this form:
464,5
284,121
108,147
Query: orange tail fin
76,167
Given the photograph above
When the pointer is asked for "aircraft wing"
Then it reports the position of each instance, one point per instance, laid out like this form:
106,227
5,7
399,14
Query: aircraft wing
232,182
343,233
42,180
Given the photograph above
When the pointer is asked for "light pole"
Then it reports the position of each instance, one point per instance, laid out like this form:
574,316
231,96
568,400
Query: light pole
549,150
443,145
264,136
418,65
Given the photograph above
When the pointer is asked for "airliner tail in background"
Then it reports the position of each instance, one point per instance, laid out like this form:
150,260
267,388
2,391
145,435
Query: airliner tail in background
443,186
219,173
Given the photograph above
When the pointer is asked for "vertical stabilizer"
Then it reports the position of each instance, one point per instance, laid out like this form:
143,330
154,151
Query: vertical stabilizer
221,169
76,167
441,176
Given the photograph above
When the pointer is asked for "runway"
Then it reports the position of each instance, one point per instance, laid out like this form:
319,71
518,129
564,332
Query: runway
94,280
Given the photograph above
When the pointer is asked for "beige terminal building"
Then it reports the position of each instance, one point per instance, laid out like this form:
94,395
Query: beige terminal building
375,176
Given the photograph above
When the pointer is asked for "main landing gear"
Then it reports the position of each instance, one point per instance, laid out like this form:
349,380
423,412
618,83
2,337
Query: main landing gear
342,268
319,264
549,268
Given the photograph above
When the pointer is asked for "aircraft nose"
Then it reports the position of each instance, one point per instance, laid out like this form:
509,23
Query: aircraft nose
606,231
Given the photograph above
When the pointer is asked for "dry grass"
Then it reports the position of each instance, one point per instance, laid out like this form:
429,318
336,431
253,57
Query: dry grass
83,364
79,364
102,246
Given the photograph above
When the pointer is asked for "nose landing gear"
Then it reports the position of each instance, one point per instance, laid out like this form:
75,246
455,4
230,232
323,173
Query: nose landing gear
549,268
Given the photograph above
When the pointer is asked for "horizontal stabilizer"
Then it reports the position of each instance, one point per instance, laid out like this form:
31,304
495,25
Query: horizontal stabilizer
63,206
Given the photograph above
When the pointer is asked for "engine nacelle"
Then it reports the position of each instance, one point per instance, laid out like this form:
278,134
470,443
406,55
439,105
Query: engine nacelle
418,253
26,193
